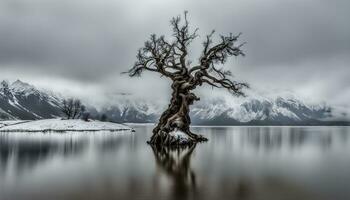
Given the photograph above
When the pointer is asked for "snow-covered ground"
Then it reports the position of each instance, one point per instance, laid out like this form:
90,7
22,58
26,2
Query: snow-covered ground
60,125
11,122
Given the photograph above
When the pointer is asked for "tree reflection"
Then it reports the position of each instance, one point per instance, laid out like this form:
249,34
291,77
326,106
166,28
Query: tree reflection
175,163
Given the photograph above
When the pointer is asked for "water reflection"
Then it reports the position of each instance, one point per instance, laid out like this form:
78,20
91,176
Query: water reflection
236,163
277,138
175,163
20,151
24,154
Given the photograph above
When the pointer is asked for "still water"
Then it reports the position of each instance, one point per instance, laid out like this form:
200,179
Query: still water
236,163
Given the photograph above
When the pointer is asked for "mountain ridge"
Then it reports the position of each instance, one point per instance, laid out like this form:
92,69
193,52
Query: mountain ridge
20,100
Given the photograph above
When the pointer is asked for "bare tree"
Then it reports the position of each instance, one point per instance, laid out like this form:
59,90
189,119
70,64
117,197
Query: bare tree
86,116
170,59
66,107
103,117
72,108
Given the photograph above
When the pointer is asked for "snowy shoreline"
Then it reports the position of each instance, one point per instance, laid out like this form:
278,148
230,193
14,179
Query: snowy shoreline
61,125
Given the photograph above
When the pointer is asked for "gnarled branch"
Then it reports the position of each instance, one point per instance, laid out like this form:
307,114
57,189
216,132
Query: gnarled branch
169,58
232,86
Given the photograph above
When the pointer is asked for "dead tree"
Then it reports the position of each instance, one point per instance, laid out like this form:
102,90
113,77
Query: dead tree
86,116
170,59
66,107
103,117
72,108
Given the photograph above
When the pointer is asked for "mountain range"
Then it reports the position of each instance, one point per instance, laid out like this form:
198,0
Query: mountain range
20,100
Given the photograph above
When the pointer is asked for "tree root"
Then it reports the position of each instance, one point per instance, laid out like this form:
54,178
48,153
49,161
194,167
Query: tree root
167,139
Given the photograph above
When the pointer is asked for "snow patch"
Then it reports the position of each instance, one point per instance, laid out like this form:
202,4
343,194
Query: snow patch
63,125
11,122
180,136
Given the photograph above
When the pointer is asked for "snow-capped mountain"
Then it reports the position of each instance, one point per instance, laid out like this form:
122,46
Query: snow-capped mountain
20,100
137,111
269,111
275,111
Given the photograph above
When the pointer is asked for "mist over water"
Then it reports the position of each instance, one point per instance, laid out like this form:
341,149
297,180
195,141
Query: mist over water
236,163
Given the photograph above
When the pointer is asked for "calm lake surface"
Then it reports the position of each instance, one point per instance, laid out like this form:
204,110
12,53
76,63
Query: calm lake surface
236,163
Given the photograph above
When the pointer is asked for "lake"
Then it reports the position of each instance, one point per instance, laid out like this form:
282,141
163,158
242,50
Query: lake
236,163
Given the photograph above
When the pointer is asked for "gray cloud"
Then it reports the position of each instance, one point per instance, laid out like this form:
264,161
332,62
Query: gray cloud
292,44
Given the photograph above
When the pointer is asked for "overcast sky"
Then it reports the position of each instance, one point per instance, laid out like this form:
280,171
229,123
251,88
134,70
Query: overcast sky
81,46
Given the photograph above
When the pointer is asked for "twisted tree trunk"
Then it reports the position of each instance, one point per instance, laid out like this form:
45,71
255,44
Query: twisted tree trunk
173,127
